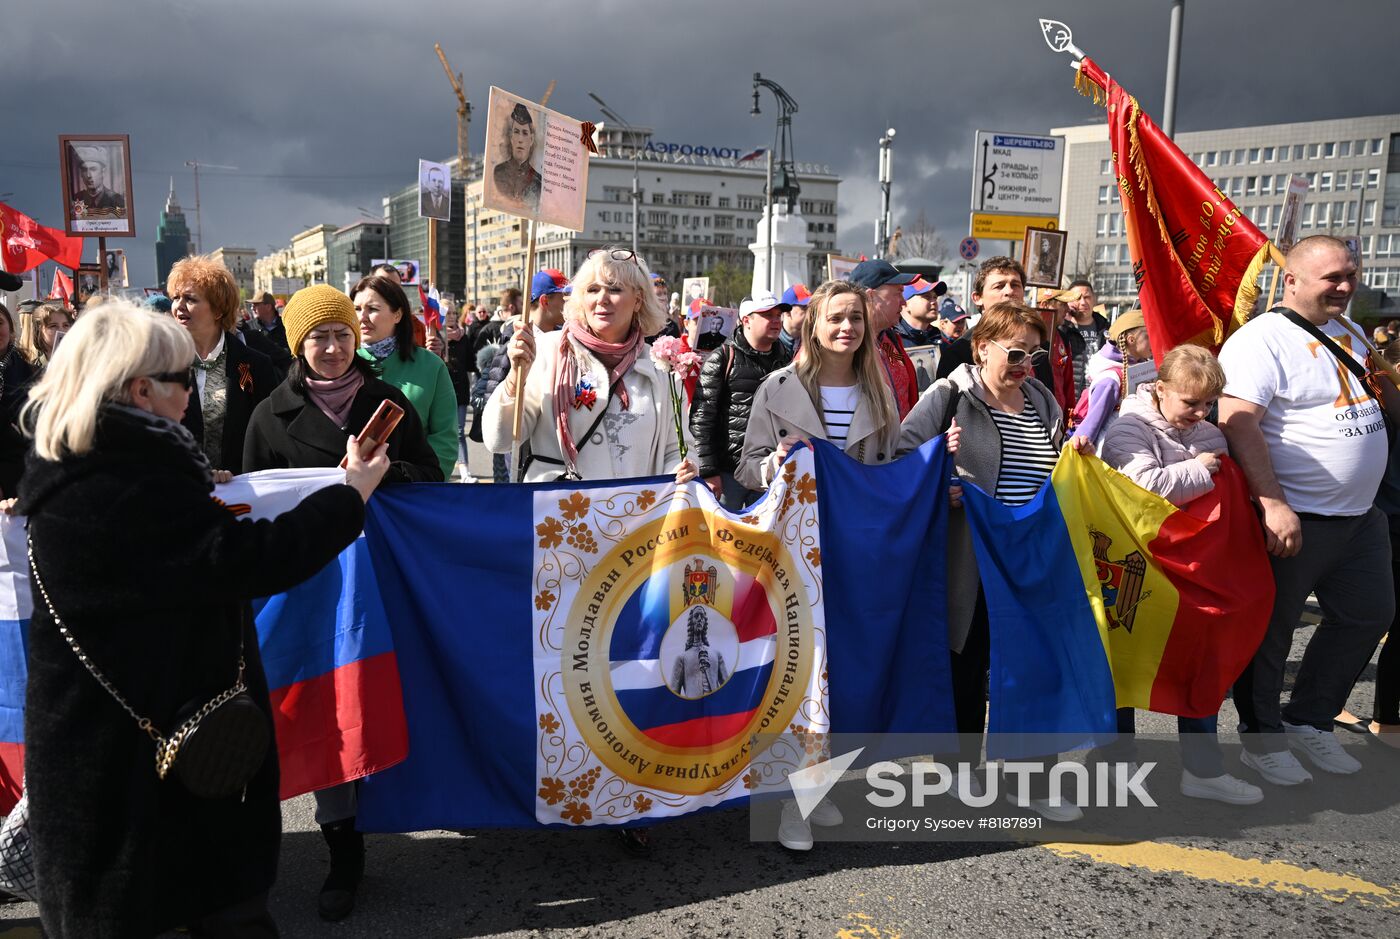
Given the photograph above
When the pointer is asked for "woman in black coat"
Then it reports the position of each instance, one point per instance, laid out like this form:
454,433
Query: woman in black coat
230,378
15,376
329,394
152,578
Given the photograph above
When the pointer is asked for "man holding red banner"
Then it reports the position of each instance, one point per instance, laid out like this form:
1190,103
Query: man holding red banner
1311,439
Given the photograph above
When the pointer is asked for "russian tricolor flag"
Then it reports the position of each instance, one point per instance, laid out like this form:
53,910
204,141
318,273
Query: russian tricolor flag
753,155
326,647
432,307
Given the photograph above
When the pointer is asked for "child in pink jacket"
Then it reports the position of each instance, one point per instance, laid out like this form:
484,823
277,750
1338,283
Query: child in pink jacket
1163,442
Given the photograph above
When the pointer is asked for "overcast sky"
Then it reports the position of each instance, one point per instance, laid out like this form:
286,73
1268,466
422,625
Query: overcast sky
325,106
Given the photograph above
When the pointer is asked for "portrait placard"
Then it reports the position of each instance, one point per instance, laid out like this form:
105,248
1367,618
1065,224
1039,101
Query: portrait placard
694,288
536,162
95,170
1043,256
87,282
408,269
434,191
839,267
1292,210
116,268
925,359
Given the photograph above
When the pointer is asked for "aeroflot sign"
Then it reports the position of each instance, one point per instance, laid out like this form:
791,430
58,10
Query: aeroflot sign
685,149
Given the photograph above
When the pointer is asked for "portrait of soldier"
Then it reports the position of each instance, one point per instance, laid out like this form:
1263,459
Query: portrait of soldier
514,177
93,196
434,201
699,670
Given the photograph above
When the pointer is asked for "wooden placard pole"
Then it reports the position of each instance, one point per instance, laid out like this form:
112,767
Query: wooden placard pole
518,419
102,264
1277,257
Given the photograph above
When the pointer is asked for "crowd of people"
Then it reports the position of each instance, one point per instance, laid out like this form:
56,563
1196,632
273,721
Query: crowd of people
117,422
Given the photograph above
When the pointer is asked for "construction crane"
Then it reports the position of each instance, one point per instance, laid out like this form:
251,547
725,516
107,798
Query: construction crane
198,214
464,111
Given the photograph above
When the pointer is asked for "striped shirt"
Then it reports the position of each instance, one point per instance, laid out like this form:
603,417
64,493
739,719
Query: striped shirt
1027,456
838,408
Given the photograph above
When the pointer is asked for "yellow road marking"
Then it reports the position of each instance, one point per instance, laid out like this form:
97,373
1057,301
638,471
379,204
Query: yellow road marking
1220,867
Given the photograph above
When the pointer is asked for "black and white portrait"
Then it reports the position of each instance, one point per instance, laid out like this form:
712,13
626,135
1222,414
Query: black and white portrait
434,191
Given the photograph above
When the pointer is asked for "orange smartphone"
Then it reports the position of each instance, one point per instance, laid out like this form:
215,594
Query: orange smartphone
377,429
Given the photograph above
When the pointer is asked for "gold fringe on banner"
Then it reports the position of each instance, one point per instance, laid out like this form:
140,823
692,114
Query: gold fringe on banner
1248,293
1089,88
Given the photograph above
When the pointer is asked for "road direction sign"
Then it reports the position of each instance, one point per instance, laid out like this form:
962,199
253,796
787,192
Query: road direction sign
1017,173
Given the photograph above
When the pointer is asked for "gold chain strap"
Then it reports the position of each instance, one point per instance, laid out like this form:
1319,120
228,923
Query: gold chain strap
167,749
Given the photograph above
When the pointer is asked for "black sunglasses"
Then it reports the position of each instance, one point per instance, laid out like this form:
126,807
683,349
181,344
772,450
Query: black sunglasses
185,379
616,254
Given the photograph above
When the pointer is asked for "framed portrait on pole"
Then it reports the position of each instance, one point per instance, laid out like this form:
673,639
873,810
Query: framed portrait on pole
87,282
1043,257
536,161
839,267
95,170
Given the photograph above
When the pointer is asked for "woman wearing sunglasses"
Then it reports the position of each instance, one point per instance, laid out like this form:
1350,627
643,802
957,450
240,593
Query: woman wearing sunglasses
152,579
595,404
1009,431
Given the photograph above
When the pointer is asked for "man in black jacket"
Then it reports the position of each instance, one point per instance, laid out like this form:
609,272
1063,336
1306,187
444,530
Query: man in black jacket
729,380
265,333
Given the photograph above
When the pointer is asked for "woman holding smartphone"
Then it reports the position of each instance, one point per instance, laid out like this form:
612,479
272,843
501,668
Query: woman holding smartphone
329,395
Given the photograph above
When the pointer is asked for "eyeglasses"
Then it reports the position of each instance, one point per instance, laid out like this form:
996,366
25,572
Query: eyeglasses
185,379
1015,357
616,254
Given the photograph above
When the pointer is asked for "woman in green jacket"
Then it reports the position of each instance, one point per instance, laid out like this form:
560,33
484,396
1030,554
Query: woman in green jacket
386,340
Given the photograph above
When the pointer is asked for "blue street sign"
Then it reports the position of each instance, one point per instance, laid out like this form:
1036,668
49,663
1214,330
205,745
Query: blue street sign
968,248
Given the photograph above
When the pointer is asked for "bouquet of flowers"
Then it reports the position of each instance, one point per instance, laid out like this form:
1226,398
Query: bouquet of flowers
674,358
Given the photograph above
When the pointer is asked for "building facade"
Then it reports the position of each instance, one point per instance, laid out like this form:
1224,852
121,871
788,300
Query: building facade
239,262
351,249
172,236
1351,164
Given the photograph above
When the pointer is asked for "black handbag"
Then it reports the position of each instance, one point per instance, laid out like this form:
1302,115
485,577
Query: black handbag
217,746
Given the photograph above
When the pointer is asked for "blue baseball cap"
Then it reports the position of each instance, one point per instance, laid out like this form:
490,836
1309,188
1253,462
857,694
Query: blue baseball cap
797,295
920,287
878,273
950,311
548,281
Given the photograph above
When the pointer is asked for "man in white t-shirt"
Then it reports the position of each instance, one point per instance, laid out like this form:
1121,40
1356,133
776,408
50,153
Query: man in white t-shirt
1312,442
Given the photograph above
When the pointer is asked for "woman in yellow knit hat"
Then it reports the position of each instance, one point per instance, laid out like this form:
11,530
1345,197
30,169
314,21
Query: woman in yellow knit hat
328,395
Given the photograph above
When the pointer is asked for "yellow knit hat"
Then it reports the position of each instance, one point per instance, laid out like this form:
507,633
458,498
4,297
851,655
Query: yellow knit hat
311,307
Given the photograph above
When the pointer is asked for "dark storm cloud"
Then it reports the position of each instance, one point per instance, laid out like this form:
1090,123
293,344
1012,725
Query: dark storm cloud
324,107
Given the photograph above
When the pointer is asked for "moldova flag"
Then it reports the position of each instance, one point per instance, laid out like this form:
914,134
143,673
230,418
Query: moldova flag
1103,595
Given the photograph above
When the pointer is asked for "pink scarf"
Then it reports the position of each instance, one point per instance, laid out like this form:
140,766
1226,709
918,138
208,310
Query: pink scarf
335,395
617,357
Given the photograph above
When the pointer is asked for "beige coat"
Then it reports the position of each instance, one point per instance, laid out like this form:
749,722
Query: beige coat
783,408
638,442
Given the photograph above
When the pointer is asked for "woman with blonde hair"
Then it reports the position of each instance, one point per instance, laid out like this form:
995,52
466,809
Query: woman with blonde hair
45,327
230,378
836,390
1010,431
142,616
595,404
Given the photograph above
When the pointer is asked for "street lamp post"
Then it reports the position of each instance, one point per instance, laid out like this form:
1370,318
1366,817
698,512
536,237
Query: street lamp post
636,191
787,188
1173,66
882,224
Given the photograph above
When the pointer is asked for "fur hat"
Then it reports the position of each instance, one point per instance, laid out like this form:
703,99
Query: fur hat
313,306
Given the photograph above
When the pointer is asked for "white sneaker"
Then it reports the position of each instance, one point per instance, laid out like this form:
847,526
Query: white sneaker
794,833
1321,747
966,781
1223,788
1064,812
826,815
1280,768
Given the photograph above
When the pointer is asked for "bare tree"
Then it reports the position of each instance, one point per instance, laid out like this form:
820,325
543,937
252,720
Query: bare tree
921,240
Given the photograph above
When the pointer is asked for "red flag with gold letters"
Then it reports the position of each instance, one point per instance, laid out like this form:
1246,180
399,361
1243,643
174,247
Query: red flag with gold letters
1196,258
26,244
